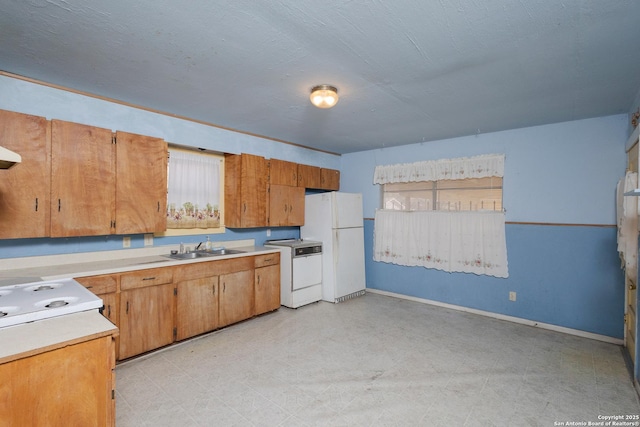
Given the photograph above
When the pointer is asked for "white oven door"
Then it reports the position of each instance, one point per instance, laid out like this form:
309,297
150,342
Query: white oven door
307,271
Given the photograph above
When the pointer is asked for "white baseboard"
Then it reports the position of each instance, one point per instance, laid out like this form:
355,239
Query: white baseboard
513,319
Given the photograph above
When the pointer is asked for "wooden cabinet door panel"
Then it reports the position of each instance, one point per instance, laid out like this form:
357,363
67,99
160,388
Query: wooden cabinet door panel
25,188
308,176
236,297
146,319
283,173
82,180
141,184
69,386
267,289
245,191
286,206
254,191
197,307
330,179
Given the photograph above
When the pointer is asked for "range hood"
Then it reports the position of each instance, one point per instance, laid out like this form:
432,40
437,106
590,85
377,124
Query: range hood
8,158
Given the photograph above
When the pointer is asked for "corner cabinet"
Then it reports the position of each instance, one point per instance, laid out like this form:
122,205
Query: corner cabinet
66,384
24,205
245,191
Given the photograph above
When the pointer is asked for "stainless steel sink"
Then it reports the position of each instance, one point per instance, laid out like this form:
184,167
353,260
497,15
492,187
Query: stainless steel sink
205,253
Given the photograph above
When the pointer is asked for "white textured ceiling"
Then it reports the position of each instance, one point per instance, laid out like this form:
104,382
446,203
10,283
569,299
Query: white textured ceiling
407,70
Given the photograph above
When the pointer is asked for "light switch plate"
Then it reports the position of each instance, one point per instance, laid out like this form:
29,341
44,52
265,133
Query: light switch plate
148,239
126,242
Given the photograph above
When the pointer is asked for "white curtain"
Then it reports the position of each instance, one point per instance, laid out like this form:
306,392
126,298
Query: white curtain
433,170
627,213
469,242
193,190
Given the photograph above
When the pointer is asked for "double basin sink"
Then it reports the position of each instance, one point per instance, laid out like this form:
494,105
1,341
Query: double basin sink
204,253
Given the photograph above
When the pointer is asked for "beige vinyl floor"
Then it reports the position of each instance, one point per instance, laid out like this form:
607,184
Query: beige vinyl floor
376,361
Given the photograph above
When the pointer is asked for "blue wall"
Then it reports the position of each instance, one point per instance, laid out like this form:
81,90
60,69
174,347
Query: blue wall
30,98
559,193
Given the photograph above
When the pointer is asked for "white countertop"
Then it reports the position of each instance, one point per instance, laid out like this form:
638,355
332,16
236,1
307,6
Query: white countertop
32,338
15,271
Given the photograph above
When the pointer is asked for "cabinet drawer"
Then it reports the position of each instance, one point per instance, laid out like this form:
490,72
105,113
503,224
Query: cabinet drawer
194,271
144,278
265,260
99,285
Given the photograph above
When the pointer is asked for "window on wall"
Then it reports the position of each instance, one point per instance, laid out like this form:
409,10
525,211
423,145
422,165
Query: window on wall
470,194
444,214
194,193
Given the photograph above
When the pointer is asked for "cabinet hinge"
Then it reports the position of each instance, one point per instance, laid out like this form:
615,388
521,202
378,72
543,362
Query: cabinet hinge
113,139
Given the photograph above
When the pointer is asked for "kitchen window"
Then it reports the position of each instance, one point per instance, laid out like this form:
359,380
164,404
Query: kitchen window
194,192
469,194
444,214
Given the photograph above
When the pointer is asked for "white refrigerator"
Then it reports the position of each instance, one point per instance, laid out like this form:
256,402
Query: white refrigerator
336,220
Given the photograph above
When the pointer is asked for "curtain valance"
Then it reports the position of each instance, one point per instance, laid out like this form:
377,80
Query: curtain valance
432,170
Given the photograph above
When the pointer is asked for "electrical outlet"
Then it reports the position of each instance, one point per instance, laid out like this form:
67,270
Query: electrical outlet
126,242
512,296
268,232
148,239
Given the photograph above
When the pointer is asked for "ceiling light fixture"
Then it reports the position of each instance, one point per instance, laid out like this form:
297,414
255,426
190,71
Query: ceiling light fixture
324,96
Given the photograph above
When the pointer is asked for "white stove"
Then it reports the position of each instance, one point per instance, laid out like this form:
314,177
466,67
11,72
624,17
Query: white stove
28,302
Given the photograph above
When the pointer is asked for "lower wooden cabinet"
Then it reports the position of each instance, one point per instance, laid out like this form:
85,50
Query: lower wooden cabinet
146,319
196,307
69,386
155,307
236,297
267,283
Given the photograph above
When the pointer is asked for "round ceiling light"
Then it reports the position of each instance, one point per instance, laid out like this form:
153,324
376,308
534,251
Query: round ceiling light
324,96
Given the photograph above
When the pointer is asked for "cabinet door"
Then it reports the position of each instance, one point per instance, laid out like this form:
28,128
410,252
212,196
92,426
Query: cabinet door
330,179
236,297
283,173
69,386
286,206
110,310
82,180
25,188
245,189
267,289
141,184
197,307
146,319
308,176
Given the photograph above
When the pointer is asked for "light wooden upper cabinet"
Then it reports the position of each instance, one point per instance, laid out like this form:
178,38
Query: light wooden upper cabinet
283,173
330,179
101,185
308,176
245,191
24,189
141,184
286,206
82,180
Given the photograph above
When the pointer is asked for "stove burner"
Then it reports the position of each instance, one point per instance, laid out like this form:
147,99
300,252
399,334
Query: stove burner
56,304
43,288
